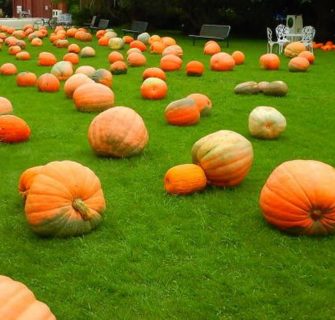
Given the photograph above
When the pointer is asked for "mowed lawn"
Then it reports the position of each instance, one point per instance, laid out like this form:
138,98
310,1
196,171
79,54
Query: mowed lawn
209,255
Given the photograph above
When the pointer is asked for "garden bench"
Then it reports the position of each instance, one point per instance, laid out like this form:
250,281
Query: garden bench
213,32
137,27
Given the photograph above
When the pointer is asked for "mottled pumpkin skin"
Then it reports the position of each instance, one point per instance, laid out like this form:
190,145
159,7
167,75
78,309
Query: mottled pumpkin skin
203,103
64,199
13,129
225,156
185,179
103,76
118,132
299,197
62,70
17,301
182,112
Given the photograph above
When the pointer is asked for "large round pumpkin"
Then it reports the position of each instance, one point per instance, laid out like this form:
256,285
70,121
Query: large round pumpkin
8,69
299,197
64,199
170,62
46,59
48,82
298,64
26,79
269,61
91,97
136,59
293,49
118,132
222,62
154,88
17,301
13,129
195,68
226,157
154,72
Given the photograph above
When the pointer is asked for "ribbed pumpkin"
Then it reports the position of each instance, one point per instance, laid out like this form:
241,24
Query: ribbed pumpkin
195,68
185,179
71,57
74,82
269,61
115,56
136,59
173,49
298,64
13,129
91,97
46,59
144,37
64,199
211,48
87,70
293,49
62,70
118,132
18,302
26,179
154,72
170,62
299,197
182,112
118,67
238,57
222,62
225,156
203,103
87,52
8,69
266,122
26,79
5,106
154,88
48,82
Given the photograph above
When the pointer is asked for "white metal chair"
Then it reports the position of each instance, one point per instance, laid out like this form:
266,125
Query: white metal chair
282,31
308,34
270,43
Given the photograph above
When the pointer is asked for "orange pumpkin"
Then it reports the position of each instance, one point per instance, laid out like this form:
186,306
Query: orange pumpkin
5,106
13,50
26,79
238,57
185,179
76,80
71,57
269,61
118,132
8,69
118,67
183,112
70,33
154,88
170,62
88,70
64,199
211,48
62,70
23,55
157,47
73,47
307,55
127,39
138,44
136,59
17,301
13,129
83,35
100,33
222,62
47,82
103,76
203,103
26,179
61,43
154,72
131,50
225,156
46,59
195,68
293,49
299,197
173,49
115,56
36,42
168,41
298,64
91,97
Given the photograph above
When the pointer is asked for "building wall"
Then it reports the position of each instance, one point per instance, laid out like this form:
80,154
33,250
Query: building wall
37,8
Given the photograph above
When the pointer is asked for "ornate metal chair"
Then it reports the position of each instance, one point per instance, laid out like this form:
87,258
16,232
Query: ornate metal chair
270,43
282,31
308,34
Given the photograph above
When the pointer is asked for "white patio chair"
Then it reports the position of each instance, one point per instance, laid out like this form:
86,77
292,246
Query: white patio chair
308,34
270,43
282,31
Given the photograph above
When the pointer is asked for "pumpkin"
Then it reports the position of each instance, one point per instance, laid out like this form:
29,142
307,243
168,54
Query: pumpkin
155,38
17,301
269,61
266,122
61,43
116,43
87,52
293,49
65,199
222,62
62,70
87,70
26,79
73,47
144,37
248,87
211,48
127,39
262,85
154,72
5,106
299,197
13,50
170,62
118,67
298,64
203,103
103,76
8,69
131,50
83,36
115,56
100,33
71,57
48,82
308,55
225,156
185,179
276,88
118,132
136,59
13,129
76,80
26,179
91,97
23,55
195,68
154,88
138,44
157,47
238,57
168,41
70,33
182,112
36,42
46,59
173,49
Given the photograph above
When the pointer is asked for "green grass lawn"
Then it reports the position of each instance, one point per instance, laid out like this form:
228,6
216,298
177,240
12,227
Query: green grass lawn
210,255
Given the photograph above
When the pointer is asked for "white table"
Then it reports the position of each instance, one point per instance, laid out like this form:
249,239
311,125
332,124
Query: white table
294,36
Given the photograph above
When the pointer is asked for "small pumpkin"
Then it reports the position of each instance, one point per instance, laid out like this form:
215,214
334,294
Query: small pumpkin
222,62
23,55
203,103
13,50
47,82
5,106
185,179
116,43
269,61
64,199
182,112
8,69
71,57
46,59
225,156
298,64
168,41
13,129
195,68
26,79
308,55
136,59
299,197
247,87
144,37
154,88
118,67
211,48
238,57
115,56
154,72
74,48
266,122
87,52
76,80
138,44
103,76
118,132
36,42
157,47
173,49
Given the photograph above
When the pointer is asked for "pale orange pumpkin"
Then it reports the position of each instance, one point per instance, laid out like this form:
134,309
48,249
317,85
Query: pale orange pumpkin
238,57
203,103
62,70
136,59
8,69
73,47
115,56
211,48
76,80
308,55
173,49
154,72
298,64
88,70
170,62
222,62
293,49
154,88
26,179
5,106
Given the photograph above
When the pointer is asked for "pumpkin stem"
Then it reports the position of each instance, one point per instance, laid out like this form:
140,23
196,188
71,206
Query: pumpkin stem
80,206
316,214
